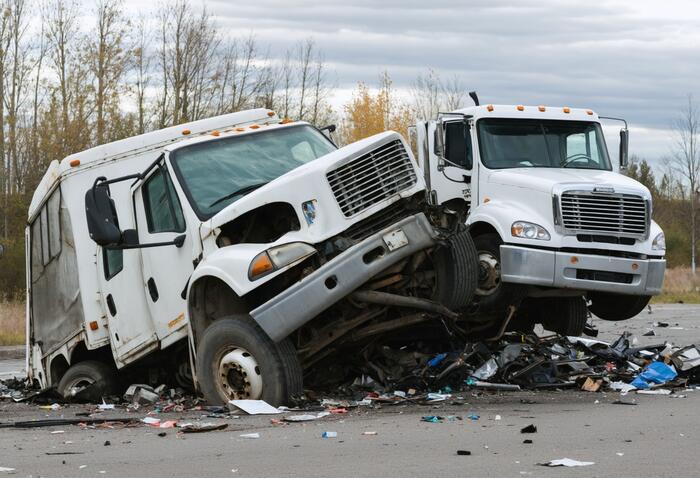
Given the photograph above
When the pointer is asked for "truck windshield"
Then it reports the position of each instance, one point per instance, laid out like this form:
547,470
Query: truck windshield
216,173
524,143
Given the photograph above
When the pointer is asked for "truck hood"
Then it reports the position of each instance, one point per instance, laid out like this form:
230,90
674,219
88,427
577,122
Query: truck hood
545,179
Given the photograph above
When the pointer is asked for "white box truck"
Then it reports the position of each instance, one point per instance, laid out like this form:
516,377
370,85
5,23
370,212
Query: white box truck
252,245
554,225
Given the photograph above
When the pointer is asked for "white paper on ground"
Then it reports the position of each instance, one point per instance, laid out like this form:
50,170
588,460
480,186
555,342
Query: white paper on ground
255,407
6,470
305,418
250,435
657,391
151,421
622,387
568,462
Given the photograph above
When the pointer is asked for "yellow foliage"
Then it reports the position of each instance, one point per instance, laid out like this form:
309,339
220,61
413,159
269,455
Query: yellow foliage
369,113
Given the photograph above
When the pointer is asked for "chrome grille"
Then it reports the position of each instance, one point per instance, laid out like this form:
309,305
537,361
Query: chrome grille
617,214
372,177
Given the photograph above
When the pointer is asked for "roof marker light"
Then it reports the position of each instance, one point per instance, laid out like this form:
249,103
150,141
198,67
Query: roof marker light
254,126
286,121
240,129
589,112
270,114
185,132
520,108
541,108
74,163
489,107
567,109
215,133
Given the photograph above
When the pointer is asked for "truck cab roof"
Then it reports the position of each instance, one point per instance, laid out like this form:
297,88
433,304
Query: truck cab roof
529,112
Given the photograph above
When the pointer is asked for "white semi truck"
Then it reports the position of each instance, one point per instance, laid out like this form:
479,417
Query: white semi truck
251,245
555,227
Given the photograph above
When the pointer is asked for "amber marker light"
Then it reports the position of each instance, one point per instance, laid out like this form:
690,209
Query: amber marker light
270,114
261,265
94,325
215,133
589,112
185,132
574,260
74,163
542,108
254,126
489,108
567,109
520,108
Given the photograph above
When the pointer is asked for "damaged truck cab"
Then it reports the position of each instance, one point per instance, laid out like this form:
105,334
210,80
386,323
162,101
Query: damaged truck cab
252,244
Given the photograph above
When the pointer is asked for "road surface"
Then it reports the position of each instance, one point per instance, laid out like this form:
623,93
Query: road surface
657,437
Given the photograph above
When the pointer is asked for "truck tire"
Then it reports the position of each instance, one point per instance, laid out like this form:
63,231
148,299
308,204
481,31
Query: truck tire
456,272
615,307
564,315
237,360
492,295
89,380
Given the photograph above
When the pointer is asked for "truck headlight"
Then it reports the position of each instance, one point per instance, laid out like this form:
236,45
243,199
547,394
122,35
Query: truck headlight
277,257
659,242
529,230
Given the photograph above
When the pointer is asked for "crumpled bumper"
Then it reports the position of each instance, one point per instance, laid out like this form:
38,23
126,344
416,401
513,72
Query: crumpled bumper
336,279
582,271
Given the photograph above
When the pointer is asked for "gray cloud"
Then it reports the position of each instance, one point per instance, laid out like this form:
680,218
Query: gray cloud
636,59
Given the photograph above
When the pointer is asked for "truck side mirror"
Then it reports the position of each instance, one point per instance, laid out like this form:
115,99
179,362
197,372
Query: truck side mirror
439,143
624,147
103,224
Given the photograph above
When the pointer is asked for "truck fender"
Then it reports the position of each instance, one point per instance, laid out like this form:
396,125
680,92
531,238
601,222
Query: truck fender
501,214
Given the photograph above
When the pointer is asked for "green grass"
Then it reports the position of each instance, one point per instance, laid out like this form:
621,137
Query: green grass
677,298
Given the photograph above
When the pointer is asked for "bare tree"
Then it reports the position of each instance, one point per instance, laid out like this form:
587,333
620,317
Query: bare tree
686,160
107,58
5,39
141,65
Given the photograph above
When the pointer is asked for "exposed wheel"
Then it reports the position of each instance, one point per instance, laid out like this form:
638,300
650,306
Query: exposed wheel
237,360
89,380
456,271
564,315
494,296
617,306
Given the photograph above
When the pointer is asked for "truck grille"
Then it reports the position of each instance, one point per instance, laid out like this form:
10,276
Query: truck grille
616,214
372,178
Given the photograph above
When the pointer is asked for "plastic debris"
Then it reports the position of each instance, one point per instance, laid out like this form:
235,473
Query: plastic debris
329,435
369,433
431,419
141,394
202,427
305,418
529,429
464,452
527,442
656,391
251,436
654,373
568,462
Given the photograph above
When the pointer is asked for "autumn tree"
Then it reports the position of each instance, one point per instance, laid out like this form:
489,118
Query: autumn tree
369,113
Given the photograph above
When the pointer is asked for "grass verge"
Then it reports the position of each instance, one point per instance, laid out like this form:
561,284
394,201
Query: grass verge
12,326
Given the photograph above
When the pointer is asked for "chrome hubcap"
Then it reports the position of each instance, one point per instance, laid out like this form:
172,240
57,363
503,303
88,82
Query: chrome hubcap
239,375
489,274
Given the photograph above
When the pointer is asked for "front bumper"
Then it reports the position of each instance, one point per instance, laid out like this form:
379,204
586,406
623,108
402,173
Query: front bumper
336,279
586,272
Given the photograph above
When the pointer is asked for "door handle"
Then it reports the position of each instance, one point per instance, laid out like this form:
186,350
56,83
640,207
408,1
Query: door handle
111,306
152,289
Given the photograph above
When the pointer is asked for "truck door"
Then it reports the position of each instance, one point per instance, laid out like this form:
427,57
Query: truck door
131,329
454,181
166,270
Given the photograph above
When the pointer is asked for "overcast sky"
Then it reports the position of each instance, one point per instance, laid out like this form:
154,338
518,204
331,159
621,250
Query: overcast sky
637,58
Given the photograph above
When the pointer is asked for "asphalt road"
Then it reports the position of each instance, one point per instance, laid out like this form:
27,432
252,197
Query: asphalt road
658,437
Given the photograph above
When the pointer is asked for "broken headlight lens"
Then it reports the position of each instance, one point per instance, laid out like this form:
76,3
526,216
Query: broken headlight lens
278,257
659,242
529,230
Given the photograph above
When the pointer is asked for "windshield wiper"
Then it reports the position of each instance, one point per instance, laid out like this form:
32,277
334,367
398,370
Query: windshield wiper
237,192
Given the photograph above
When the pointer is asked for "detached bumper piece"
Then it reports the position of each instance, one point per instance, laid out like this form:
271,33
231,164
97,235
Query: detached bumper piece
582,271
291,309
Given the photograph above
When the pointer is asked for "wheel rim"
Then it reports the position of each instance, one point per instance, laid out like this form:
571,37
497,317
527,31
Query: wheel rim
79,384
489,273
239,375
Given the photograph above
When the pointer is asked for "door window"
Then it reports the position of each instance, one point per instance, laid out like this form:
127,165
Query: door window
113,262
163,210
458,144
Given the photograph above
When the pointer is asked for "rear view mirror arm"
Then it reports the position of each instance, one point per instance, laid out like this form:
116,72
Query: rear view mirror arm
177,242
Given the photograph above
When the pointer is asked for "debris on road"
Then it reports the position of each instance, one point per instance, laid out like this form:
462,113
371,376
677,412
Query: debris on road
329,435
464,452
251,436
254,407
202,427
529,429
568,462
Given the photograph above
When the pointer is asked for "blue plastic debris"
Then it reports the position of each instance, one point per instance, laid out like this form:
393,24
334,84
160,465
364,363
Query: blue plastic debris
655,373
329,435
435,361
474,417
431,419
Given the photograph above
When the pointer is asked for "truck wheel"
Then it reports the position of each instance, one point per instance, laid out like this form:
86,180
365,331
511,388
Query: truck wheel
237,360
565,315
494,296
88,380
617,306
457,272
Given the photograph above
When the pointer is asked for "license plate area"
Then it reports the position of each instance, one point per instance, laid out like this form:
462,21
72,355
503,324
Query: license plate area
395,239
